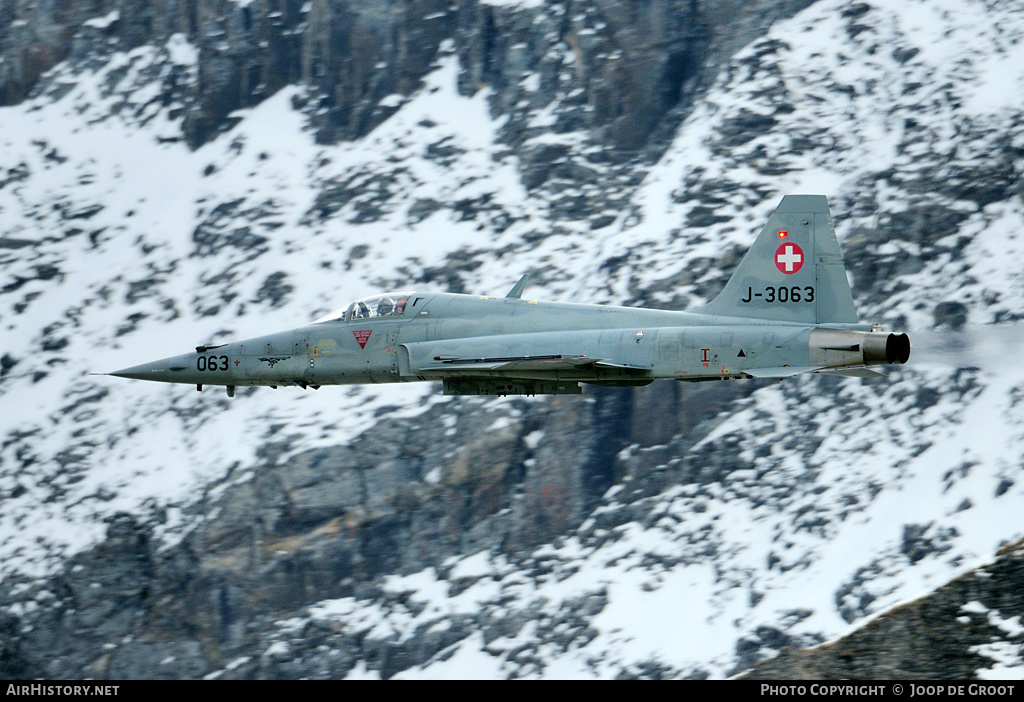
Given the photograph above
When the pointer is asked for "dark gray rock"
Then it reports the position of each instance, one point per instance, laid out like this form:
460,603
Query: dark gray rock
605,84
156,660
927,639
951,314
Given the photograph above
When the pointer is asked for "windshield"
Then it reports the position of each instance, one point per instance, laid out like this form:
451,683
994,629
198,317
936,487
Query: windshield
386,305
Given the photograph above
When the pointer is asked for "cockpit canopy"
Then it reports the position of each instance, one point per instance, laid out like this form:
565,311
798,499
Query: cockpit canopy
386,305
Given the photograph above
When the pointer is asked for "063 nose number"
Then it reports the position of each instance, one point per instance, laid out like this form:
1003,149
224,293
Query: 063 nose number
212,363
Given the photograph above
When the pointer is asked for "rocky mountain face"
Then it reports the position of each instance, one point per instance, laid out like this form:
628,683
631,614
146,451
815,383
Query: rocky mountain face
181,169
631,64
950,634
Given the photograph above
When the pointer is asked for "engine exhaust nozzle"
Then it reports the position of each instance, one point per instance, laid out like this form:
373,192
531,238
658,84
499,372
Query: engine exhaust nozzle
886,348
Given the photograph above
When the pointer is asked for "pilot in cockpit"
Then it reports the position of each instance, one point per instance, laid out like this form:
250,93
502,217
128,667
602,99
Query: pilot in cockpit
385,307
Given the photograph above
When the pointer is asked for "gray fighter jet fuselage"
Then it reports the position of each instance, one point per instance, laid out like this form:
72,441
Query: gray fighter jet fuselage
787,309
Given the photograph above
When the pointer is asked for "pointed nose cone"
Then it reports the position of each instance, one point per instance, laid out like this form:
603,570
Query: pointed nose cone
165,371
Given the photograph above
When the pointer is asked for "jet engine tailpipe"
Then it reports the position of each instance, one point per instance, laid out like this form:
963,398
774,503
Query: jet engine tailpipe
838,348
880,347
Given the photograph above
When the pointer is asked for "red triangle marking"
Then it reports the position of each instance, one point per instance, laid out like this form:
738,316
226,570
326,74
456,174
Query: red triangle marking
362,336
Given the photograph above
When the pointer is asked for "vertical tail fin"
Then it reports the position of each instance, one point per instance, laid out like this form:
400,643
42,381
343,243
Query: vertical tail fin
794,271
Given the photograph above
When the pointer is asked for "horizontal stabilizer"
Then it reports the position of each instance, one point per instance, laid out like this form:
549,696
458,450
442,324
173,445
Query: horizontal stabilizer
852,372
780,371
786,371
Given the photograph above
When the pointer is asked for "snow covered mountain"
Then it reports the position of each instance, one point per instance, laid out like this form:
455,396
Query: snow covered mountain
389,531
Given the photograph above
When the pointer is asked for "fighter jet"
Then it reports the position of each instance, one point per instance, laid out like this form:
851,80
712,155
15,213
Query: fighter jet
787,309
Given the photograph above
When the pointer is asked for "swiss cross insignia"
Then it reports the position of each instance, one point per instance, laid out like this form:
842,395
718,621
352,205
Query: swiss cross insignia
789,258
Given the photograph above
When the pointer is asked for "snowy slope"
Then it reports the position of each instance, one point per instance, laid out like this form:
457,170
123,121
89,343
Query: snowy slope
123,250
896,492
829,500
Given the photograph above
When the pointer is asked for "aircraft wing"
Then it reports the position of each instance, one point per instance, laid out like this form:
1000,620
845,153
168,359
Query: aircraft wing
529,353
511,363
